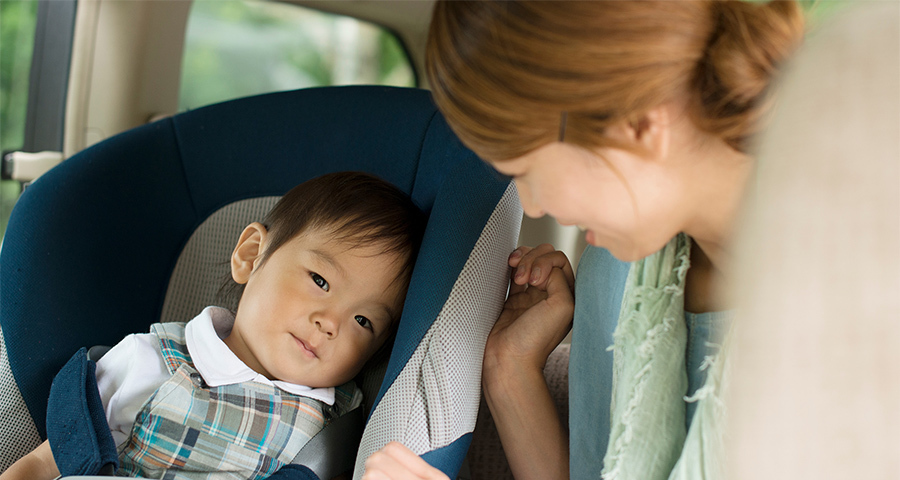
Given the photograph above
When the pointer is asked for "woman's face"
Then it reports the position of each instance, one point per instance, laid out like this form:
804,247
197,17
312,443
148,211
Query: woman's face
626,203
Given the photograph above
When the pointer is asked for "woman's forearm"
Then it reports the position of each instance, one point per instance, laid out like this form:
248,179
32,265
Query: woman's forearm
531,433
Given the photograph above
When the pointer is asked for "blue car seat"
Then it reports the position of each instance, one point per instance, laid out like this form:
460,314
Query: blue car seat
138,228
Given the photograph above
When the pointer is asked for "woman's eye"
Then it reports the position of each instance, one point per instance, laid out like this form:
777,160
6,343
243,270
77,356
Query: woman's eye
364,322
321,282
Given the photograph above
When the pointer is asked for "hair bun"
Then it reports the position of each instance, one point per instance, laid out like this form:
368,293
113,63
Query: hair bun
748,44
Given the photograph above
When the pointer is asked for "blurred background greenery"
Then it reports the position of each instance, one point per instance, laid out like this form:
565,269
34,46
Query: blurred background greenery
17,21
233,48
240,48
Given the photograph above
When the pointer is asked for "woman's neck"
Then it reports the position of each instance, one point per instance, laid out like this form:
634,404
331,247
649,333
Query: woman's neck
719,176
700,284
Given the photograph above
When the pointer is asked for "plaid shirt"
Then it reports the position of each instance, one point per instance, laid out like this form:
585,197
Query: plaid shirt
189,430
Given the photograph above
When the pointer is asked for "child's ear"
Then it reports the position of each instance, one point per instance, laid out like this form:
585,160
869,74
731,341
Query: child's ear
248,252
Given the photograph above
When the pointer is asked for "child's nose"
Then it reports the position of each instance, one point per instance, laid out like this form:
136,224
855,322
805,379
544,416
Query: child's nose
327,324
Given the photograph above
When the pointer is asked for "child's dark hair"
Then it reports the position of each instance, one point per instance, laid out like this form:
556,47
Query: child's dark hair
358,208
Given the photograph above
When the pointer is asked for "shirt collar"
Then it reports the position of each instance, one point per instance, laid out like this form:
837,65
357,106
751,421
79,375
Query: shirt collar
219,366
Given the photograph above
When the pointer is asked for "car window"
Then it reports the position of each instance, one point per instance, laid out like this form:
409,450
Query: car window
17,25
240,48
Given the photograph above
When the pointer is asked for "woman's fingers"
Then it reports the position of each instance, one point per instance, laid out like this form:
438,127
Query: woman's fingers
514,287
560,289
514,260
517,255
538,311
543,265
532,323
554,290
396,462
522,270
532,266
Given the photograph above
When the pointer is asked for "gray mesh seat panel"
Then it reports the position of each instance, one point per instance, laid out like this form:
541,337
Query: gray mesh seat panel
203,264
435,399
17,431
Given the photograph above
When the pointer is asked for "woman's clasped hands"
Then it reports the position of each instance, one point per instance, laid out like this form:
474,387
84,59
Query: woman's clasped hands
536,317
538,311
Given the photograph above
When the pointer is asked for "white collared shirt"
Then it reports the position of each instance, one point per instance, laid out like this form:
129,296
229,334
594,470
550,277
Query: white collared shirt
132,370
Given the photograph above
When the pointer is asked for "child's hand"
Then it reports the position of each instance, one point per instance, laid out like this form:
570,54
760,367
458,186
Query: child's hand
538,312
396,462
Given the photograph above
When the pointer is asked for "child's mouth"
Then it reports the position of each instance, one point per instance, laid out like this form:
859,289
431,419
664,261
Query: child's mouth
305,347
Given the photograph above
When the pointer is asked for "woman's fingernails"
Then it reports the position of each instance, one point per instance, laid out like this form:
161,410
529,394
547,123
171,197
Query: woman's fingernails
535,275
515,254
520,272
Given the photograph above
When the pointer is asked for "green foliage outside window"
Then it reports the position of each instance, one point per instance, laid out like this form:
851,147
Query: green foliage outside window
240,48
17,22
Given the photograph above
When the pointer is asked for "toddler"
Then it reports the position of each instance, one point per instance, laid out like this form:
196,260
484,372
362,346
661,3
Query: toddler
323,279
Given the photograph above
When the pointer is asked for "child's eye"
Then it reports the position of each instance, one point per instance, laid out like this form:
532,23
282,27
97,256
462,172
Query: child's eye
321,282
364,322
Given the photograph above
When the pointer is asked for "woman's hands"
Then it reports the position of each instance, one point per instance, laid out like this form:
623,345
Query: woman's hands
396,462
536,317
538,312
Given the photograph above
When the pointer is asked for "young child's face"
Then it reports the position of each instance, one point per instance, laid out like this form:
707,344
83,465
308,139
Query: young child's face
316,310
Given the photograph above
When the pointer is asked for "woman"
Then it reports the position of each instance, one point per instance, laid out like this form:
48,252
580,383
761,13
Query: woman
632,120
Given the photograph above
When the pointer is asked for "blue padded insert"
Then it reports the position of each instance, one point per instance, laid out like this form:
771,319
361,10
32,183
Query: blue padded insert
254,147
449,459
54,301
141,194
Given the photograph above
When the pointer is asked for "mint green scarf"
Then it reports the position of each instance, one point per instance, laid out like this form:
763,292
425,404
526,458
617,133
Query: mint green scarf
647,434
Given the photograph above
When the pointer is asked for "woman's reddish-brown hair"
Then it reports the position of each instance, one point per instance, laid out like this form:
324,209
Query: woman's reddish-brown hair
503,72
